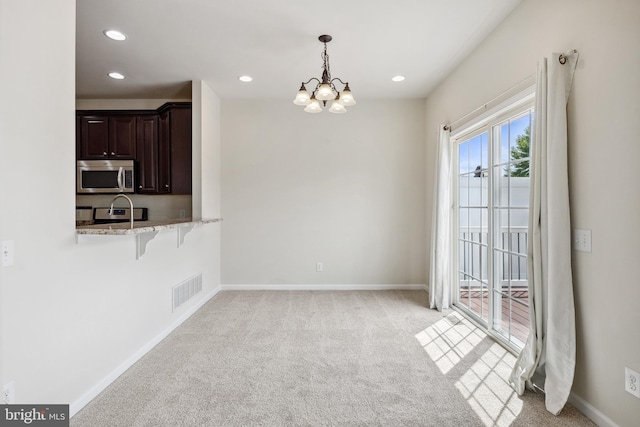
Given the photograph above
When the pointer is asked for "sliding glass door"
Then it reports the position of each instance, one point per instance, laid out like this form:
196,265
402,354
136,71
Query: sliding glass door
491,228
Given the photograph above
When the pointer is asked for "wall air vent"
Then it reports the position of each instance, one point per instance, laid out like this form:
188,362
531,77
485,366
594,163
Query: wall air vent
185,290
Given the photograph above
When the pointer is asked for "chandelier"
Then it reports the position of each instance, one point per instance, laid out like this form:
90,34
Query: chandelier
325,90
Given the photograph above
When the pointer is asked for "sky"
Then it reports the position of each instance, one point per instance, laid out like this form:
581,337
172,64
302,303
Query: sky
475,151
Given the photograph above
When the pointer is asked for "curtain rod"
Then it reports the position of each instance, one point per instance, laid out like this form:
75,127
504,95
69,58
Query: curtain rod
562,59
486,104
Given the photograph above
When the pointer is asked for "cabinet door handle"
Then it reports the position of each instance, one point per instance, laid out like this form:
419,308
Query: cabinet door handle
95,121
104,153
140,187
166,186
112,153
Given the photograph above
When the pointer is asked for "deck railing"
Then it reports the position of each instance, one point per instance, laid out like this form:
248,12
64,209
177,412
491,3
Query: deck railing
509,257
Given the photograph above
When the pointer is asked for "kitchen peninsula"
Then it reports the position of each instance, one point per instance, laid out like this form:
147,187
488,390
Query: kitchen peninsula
123,228
144,231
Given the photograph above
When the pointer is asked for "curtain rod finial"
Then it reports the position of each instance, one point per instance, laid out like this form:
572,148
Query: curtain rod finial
563,56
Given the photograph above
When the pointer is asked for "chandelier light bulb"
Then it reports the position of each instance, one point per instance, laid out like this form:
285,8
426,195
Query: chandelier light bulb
337,107
325,93
347,98
313,106
302,98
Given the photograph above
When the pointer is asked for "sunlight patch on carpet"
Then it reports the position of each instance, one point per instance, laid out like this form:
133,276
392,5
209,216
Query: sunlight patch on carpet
449,340
485,387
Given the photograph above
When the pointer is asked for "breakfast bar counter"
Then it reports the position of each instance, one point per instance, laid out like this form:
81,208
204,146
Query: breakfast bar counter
139,227
143,231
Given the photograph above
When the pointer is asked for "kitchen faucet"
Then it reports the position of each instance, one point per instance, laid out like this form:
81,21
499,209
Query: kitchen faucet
130,205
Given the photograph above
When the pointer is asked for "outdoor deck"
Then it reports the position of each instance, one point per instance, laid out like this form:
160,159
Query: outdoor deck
478,302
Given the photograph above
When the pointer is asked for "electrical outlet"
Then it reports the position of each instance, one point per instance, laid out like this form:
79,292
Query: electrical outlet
319,267
8,393
632,382
182,213
7,253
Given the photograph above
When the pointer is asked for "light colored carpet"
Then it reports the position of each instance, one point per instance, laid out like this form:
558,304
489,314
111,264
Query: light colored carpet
310,358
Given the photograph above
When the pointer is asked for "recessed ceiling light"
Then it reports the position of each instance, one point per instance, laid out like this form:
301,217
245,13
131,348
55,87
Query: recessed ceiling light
397,78
115,35
245,79
115,75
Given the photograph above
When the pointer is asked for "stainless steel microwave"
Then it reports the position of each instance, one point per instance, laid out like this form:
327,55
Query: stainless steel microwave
105,176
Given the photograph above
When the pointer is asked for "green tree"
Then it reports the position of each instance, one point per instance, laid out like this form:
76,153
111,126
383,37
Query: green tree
521,151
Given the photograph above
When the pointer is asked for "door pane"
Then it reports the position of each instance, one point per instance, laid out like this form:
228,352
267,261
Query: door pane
472,220
493,200
520,320
463,190
484,142
510,224
463,163
502,145
475,155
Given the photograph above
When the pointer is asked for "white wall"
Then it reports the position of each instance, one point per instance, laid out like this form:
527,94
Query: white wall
73,314
604,152
345,190
207,143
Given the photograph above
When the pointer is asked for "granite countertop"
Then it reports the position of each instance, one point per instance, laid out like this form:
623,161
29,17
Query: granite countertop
122,228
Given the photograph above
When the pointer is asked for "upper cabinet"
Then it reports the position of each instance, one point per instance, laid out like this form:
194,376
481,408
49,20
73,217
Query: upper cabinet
175,147
159,141
107,137
147,150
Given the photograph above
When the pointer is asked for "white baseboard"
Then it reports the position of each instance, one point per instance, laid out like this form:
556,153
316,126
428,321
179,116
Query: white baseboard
113,375
591,412
323,287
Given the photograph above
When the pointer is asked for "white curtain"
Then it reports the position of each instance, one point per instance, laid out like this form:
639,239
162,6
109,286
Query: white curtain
548,358
439,280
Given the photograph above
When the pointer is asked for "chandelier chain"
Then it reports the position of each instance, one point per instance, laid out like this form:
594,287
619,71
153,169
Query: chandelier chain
326,73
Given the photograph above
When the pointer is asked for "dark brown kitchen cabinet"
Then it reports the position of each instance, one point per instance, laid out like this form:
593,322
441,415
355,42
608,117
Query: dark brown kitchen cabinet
159,140
175,147
122,137
107,137
94,137
147,155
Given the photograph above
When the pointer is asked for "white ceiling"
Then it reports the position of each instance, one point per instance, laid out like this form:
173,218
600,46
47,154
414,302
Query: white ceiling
171,42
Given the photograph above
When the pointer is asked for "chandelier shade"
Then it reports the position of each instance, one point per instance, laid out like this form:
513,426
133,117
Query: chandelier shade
313,106
337,107
346,97
302,98
325,89
325,93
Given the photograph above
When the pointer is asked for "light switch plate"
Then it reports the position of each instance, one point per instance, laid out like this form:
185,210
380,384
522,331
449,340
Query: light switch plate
582,240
